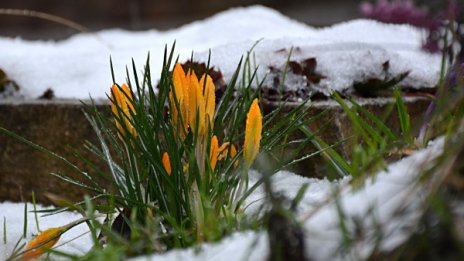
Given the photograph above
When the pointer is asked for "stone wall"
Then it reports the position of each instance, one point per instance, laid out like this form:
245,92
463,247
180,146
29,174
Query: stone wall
60,126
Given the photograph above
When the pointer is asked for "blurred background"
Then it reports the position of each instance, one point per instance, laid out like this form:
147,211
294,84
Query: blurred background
155,14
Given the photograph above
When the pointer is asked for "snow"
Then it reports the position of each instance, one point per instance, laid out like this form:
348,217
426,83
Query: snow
373,206
348,52
377,204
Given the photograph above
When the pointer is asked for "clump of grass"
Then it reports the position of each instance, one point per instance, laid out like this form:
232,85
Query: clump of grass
178,159
373,142
184,174
174,173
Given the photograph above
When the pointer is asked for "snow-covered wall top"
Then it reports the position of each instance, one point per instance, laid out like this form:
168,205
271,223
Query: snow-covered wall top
346,53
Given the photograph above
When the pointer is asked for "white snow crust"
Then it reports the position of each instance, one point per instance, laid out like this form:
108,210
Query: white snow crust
348,52
372,207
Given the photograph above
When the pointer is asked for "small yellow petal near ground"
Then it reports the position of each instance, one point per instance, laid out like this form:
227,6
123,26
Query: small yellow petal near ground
42,243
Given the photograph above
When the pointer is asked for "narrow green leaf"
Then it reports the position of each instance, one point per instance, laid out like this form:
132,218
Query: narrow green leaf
299,196
4,231
35,212
25,221
403,116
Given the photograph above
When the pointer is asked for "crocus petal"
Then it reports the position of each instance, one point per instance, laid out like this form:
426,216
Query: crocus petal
196,106
210,98
166,163
41,243
128,107
179,81
180,87
192,98
253,131
213,152
233,153
222,151
122,98
127,95
116,99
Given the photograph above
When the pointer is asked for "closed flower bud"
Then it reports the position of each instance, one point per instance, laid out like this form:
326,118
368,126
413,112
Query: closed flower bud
166,163
122,98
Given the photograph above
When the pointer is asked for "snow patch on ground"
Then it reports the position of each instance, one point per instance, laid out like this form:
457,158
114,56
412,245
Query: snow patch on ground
347,52
75,241
373,206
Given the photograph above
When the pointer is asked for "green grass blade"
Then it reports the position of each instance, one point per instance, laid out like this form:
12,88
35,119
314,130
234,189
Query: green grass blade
403,115
378,122
25,221
4,231
35,212
338,163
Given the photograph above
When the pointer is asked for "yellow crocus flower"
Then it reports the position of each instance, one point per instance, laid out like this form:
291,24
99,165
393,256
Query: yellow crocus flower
180,85
253,131
196,104
122,98
209,97
42,243
197,100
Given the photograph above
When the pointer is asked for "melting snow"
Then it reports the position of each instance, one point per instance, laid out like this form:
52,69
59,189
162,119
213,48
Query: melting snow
346,52
375,205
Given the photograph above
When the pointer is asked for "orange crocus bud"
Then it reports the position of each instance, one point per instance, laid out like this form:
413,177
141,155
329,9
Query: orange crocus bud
196,104
213,152
180,87
122,99
166,163
42,243
253,131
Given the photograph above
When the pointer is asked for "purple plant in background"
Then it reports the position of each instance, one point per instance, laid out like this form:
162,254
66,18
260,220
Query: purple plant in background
405,12
399,12
453,78
445,22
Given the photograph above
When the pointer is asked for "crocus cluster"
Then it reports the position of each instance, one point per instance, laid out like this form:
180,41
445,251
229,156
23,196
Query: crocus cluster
192,104
196,100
